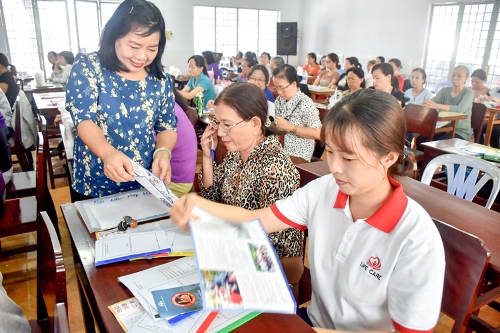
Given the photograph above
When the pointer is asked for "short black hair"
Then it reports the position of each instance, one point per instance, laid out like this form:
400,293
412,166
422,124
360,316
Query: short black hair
4,61
396,62
250,55
251,62
288,73
261,68
267,55
141,17
359,73
480,74
313,55
54,53
199,61
209,57
382,59
68,56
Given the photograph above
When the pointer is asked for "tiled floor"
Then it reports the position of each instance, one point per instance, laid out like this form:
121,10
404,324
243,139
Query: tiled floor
19,273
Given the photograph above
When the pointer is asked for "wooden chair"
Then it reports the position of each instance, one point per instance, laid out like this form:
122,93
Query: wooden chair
466,262
42,122
22,184
420,120
470,176
23,155
477,120
50,280
293,268
20,214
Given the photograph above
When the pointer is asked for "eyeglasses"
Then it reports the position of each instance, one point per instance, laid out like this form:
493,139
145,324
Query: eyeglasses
254,79
281,88
223,128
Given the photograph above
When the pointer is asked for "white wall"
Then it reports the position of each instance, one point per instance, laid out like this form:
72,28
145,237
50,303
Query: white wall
179,19
366,29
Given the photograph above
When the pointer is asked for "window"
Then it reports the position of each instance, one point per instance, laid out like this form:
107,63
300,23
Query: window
228,30
36,27
463,34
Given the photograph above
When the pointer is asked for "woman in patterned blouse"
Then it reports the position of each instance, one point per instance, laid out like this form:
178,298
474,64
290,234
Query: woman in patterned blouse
117,96
256,171
296,115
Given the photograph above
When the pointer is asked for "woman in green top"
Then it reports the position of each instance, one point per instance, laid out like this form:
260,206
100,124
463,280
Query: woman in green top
455,99
199,81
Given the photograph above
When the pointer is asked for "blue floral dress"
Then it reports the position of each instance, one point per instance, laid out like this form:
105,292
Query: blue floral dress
126,111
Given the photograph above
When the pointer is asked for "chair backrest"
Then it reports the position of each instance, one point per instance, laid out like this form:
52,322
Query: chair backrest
467,178
42,153
466,261
18,140
51,273
421,120
477,120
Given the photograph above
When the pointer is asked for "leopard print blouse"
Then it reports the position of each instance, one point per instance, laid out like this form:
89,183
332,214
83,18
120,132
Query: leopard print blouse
267,176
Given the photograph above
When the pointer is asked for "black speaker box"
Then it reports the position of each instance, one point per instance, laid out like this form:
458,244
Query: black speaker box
287,38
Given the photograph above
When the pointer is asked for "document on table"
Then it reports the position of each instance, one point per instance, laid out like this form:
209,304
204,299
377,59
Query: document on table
130,246
106,212
239,268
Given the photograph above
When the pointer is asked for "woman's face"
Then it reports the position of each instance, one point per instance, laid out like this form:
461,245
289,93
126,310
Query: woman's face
417,79
310,60
245,69
394,67
347,65
378,61
476,83
264,60
136,52
330,65
458,77
193,69
52,58
323,62
381,81
258,78
241,137
284,88
61,60
353,81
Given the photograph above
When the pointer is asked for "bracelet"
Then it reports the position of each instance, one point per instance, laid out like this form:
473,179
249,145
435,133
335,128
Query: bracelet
163,149
294,131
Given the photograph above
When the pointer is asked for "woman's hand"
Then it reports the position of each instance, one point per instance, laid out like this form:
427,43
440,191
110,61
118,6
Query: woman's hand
180,212
429,103
49,79
206,140
210,104
281,124
117,167
161,167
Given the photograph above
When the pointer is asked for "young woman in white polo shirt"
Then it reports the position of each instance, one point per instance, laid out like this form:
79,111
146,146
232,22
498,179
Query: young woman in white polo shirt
376,258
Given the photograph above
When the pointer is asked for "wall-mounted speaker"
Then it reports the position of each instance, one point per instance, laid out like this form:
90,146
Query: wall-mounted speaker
287,38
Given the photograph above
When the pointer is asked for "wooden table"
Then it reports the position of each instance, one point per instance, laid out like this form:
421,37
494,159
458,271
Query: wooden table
49,87
317,91
47,103
493,112
451,117
99,287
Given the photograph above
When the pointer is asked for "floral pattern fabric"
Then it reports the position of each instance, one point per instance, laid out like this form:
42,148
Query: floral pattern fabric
126,111
267,176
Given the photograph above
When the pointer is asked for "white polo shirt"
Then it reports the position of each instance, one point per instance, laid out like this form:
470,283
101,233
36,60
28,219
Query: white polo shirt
381,273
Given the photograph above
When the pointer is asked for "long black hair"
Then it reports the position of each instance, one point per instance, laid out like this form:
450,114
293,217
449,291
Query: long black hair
140,17
199,61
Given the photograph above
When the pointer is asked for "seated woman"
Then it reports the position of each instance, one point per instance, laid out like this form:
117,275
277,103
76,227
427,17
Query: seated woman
417,93
355,80
384,80
7,81
212,65
185,153
296,115
396,66
330,76
322,64
246,65
259,76
275,63
249,175
351,62
6,111
52,58
265,60
199,81
368,74
455,99
312,68
65,59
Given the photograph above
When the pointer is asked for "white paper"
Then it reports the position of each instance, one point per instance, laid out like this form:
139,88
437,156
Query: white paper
226,318
127,246
238,266
188,325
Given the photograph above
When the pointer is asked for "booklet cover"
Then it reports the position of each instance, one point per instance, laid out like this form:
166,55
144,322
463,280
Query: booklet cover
174,301
238,266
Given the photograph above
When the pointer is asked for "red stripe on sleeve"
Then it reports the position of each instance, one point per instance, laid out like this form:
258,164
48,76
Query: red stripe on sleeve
284,219
403,329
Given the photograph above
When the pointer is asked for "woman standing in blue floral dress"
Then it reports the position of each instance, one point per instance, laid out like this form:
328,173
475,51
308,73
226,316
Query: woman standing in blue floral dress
118,96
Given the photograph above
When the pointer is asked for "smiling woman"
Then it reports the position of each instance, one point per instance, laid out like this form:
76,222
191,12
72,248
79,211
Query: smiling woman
118,97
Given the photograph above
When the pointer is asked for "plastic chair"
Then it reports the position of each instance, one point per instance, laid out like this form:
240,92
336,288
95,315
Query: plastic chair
462,183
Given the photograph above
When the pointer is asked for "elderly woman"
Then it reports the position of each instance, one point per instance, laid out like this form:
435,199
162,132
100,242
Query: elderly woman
296,115
256,171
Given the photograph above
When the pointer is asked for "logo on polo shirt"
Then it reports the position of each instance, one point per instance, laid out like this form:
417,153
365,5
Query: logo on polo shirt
372,265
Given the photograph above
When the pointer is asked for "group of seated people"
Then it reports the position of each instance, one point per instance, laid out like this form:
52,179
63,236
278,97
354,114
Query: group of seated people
62,63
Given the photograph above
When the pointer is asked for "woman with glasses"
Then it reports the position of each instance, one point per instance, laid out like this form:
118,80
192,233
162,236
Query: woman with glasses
246,65
355,80
259,76
199,81
330,76
296,115
256,171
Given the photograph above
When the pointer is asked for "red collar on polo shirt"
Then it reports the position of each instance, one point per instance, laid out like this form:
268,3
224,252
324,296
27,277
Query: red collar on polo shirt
389,214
